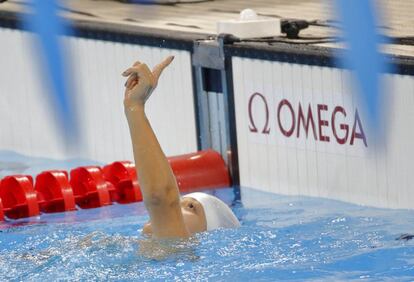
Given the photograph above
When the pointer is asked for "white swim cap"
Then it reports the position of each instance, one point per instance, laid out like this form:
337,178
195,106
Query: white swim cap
218,214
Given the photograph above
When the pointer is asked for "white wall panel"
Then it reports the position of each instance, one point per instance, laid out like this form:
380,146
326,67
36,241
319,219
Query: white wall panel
344,168
28,125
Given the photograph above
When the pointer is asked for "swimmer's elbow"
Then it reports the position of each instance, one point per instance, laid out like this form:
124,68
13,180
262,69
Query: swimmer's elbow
162,196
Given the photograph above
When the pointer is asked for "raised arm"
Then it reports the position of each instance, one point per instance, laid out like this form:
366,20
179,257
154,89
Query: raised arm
158,185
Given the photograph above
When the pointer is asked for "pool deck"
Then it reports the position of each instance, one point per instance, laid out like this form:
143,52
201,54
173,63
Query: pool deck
198,20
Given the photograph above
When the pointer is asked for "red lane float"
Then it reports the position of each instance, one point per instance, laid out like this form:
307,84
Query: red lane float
203,169
124,178
54,191
18,196
89,187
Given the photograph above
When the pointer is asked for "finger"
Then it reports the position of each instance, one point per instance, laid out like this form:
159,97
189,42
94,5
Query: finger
127,72
140,71
157,70
133,78
131,70
133,83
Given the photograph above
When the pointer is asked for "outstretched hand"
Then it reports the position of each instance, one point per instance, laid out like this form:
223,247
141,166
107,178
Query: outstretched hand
142,81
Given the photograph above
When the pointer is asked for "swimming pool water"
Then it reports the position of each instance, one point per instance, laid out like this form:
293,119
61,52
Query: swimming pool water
281,238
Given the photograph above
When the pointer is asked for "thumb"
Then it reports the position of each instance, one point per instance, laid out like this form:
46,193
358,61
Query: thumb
157,70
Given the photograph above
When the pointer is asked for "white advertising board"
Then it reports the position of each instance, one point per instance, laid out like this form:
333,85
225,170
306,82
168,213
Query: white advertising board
302,131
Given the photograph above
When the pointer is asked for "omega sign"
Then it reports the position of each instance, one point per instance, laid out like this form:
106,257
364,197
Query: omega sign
319,122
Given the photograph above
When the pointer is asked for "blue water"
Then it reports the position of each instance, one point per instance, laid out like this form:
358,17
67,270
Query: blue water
281,238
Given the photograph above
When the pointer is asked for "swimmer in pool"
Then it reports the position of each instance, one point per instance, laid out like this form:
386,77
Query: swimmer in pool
170,215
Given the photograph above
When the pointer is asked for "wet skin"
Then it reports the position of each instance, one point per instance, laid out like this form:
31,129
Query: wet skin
193,214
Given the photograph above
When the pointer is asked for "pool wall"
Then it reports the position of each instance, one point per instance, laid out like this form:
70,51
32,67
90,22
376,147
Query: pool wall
249,101
301,131
30,121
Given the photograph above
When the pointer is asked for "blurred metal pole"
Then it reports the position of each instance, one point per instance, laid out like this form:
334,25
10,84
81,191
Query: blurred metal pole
216,121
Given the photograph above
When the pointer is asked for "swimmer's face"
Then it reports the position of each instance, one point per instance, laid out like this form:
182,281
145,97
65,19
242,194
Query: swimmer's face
193,214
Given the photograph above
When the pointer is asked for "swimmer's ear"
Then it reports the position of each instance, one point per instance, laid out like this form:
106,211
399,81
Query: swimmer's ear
157,70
